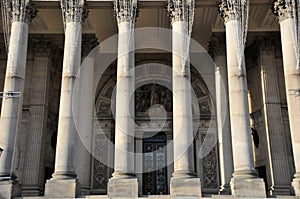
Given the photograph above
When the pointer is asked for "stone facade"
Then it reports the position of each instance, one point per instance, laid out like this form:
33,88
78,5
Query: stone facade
149,112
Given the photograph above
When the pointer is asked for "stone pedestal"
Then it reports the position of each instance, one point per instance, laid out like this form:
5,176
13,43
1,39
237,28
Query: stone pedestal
185,187
248,187
296,186
10,189
122,188
62,188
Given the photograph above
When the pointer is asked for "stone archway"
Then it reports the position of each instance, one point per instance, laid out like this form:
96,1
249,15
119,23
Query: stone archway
153,87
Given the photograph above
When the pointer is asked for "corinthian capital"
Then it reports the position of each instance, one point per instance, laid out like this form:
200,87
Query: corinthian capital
228,10
179,10
74,10
126,10
283,9
23,10
217,45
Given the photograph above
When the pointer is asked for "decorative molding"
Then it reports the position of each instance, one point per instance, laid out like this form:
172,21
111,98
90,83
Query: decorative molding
282,10
217,46
74,10
23,11
126,10
41,47
210,167
228,12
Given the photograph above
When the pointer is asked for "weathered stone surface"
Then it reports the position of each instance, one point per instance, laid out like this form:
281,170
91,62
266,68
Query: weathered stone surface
248,187
296,187
62,188
9,189
185,187
122,188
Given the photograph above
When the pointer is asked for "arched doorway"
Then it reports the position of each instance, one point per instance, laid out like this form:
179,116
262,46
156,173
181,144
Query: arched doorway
153,98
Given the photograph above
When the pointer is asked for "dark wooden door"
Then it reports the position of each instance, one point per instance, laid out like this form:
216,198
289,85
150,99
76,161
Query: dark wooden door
155,170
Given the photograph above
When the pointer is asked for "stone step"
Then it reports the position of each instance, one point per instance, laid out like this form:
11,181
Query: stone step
166,197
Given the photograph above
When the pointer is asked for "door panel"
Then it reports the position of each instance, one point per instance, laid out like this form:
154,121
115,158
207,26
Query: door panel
155,171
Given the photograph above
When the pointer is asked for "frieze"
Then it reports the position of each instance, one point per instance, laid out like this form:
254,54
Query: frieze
152,94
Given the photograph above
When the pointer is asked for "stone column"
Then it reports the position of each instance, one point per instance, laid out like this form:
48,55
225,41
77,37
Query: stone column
184,181
124,182
33,175
277,149
244,179
85,118
218,52
22,15
64,182
292,77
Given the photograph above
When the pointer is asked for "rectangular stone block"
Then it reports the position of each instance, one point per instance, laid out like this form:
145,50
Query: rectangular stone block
248,187
296,187
62,188
9,189
185,187
122,188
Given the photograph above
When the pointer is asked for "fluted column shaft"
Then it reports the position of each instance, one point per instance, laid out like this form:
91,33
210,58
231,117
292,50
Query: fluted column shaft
276,144
218,48
85,118
244,176
292,78
33,175
22,14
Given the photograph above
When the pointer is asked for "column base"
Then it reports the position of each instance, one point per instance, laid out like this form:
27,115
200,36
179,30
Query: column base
296,186
280,190
31,191
248,187
225,190
10,189
185,187
62,188
122,187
